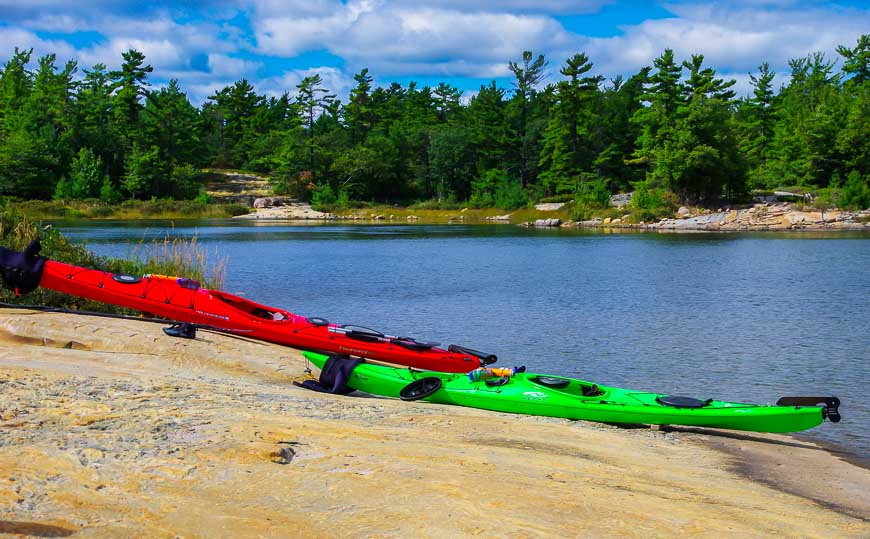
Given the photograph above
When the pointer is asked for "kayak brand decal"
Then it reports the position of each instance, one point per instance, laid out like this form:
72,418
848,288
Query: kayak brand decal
351,350
533,396
213,315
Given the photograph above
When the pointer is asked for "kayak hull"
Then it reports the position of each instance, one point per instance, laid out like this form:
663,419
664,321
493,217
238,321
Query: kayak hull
183,300
525,393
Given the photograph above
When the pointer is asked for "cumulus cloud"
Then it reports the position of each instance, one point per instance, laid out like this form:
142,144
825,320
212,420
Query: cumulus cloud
334,80
736,39
561,7
24,40
316,8
212,43
403,40
221,65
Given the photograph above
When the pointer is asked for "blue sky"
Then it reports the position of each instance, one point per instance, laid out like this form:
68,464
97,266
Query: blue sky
209,44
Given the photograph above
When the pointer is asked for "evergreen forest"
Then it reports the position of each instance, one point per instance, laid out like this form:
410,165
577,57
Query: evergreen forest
674,131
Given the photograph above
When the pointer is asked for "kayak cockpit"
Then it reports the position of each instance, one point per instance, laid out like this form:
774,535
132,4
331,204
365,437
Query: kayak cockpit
251,308
568,386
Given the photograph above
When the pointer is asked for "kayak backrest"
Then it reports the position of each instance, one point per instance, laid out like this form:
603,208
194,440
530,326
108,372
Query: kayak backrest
551,382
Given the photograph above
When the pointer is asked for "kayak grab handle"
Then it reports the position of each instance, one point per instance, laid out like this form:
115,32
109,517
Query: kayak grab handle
830,405
486,359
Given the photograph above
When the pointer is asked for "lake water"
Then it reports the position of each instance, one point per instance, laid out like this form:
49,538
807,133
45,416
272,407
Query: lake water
741,317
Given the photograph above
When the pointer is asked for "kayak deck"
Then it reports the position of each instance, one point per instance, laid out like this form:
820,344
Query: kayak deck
557,396
185,301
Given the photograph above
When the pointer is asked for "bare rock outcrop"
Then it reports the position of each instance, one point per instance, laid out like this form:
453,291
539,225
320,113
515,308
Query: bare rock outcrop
269,202
129,432
542,223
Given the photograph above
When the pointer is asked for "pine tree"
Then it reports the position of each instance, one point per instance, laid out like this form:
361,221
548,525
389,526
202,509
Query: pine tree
856,62
568,153
446,99
658,121
618,134
358,112
757,119
130,85
528,75
94,126
313,100
853,139
488,137
231,113
804,151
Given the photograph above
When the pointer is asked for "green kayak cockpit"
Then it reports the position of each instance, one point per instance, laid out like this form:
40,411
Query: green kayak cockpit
577,388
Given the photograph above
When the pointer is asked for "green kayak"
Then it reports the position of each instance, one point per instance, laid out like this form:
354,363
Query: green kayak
556,396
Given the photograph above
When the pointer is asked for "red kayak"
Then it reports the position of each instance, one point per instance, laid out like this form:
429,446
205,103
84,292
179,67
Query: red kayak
184,300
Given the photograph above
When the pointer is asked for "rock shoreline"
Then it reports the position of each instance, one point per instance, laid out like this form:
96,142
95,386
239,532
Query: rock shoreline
110,428
758,218
281,208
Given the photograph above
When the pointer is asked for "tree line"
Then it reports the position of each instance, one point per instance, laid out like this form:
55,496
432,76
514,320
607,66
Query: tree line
673,129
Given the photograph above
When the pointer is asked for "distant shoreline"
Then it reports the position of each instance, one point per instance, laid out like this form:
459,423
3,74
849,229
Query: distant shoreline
763,217
757,218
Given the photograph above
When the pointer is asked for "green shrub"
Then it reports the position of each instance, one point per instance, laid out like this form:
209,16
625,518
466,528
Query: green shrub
101,210
434,204
108,193
566,197
187,182
299,186
652,204
594,194
855,194
484,186
509,194
86,177
168,257
202,197
323,197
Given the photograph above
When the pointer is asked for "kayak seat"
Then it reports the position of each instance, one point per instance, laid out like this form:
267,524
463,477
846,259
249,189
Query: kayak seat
591,391
551,381
682,402
261,313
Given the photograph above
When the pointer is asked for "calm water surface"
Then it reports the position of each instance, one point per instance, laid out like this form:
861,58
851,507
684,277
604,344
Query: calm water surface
747,317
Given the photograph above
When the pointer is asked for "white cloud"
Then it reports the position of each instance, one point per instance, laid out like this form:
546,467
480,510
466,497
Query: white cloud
734,39
205,48
160,52
413,40
334,80
24,40
221,65
317,8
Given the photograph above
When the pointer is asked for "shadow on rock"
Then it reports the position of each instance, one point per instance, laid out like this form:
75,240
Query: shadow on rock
34,529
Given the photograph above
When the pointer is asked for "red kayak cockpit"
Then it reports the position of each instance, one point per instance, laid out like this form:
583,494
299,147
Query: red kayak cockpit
252,308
